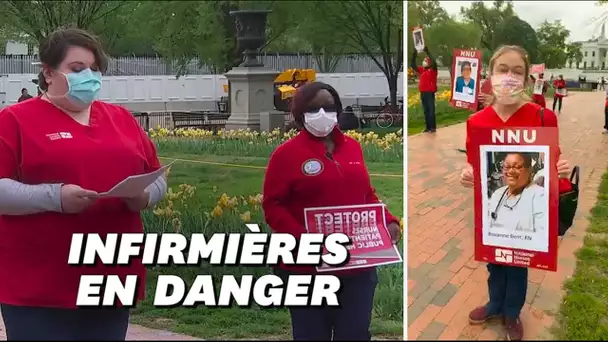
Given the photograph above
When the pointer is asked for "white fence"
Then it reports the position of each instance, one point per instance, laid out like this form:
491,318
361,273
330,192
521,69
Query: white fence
353,87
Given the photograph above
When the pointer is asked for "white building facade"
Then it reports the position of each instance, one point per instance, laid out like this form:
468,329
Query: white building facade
595,52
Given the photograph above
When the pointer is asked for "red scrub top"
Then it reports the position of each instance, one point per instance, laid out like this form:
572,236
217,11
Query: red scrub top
41,144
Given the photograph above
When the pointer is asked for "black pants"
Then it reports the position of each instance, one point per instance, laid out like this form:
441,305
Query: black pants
507,286
53,324
556,100
606,118
427,99
349,322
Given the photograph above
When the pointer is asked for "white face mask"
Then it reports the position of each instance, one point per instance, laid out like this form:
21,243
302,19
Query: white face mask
320,123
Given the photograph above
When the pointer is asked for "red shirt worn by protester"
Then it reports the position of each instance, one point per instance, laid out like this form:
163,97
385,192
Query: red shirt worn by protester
526,116
41,144
559,84
288,190
485,88
539,99
428,78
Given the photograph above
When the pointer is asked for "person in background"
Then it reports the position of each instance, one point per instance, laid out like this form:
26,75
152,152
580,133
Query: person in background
322,167
539,99
57,153
24,95
507,285
427,86
560,92
602,83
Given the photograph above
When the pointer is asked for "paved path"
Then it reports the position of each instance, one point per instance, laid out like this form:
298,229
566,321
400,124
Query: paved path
135,333
445,283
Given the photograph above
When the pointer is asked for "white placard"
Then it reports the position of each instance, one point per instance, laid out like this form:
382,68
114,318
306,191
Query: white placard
418,39
538,86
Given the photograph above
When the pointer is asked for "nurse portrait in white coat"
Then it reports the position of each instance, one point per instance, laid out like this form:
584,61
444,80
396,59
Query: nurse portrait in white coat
521,205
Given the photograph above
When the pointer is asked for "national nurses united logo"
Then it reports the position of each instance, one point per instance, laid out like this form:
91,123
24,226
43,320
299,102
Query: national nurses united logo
312,167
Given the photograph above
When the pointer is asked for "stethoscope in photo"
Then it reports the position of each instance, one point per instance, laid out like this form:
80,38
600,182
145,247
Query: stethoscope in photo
503,202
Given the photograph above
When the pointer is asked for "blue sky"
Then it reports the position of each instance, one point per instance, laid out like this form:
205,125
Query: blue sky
577,16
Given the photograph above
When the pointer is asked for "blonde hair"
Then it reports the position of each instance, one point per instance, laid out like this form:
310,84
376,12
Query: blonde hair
524,56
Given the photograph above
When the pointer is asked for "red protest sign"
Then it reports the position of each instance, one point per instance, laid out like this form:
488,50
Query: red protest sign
516,195
364,224
466,76
537,68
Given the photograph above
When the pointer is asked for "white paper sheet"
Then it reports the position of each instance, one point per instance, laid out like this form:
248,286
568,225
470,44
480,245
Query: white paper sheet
133,186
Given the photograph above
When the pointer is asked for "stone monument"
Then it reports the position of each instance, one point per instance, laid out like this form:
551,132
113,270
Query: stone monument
251,83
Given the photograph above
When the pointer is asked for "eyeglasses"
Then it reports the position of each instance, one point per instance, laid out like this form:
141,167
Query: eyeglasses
512,167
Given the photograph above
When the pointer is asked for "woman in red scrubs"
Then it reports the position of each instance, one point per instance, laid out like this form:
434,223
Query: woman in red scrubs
560,92
507,284
57,152
322,167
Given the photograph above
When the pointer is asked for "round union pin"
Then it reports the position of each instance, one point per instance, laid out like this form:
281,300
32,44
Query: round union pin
312,167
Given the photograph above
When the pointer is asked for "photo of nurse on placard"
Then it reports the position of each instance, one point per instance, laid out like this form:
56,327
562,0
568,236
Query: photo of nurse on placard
516,201
464,84
418,39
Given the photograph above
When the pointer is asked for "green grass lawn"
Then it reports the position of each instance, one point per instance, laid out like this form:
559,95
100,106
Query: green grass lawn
380,131
584,310
257,323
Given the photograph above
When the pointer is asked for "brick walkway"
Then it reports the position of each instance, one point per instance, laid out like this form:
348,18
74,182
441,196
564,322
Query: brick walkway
445,283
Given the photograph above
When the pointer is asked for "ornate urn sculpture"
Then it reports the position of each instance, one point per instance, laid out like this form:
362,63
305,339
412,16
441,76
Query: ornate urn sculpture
250,34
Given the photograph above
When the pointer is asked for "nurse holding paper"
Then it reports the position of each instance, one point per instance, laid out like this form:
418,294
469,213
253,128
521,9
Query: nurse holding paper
58,152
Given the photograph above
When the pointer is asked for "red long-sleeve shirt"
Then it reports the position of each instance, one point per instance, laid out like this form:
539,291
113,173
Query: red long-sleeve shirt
428,79
290,187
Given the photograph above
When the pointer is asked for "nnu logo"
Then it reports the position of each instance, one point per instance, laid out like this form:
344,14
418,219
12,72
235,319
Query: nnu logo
503,255
59,135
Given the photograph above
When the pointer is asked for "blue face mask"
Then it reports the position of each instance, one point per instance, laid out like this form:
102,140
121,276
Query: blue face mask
83,87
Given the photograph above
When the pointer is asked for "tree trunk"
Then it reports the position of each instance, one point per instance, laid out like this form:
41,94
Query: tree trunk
393,80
